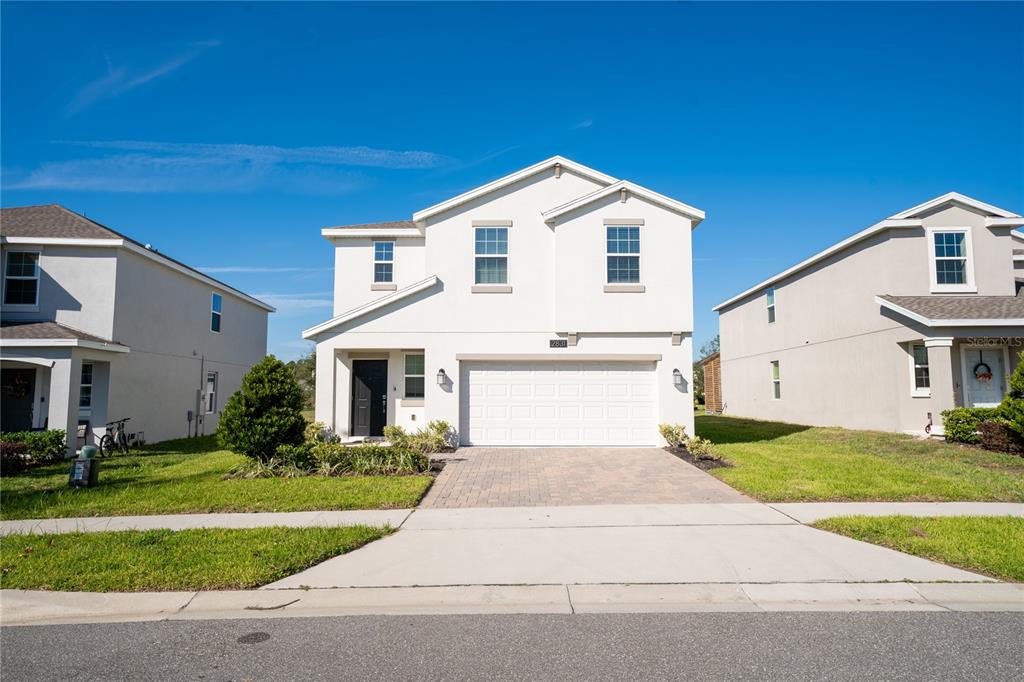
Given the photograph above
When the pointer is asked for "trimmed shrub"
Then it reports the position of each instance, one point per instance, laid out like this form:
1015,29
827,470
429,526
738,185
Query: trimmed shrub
961,424
318,432
674,434
999,436
1012,407
14,457
264,414
367,459
438,436
41,446
299,456
702,448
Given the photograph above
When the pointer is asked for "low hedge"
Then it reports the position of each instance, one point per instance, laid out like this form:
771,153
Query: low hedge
997,435
40,446
962,424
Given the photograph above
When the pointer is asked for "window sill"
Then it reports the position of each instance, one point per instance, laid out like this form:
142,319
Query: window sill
383,286
953,289
411,402
491,289
19,308
920,394
624,288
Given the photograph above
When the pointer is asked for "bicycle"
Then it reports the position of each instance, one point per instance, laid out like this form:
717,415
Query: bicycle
115,438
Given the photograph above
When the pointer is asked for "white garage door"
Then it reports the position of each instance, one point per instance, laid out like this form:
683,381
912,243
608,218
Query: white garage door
549,403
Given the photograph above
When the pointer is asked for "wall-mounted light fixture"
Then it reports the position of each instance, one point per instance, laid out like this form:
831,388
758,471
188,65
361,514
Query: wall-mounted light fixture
677,377
442,378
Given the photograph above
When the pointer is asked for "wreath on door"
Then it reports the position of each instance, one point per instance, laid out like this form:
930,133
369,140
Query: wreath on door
982,372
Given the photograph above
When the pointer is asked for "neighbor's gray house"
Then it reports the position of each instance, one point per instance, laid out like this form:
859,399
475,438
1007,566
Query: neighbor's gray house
914,315
96,326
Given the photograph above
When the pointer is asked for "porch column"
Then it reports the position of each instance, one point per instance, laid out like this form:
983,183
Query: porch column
940,378
325,386
65,378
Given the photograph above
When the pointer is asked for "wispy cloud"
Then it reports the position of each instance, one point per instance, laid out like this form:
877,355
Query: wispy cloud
119,80
298,302
139,166
585,123
220,269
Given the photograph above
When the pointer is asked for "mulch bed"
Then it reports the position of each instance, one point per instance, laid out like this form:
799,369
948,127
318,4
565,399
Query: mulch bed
704,464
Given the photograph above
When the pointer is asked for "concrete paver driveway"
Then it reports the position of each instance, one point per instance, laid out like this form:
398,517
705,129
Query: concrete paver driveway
552,477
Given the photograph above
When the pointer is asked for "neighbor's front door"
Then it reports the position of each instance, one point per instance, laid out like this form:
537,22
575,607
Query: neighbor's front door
369,397
984,376
17,395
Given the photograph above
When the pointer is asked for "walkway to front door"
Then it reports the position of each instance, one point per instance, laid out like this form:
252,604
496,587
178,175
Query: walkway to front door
550,477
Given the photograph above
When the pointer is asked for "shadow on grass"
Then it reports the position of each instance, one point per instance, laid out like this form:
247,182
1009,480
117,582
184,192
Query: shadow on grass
722,430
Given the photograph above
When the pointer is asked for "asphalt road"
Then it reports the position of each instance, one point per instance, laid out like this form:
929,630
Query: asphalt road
705,646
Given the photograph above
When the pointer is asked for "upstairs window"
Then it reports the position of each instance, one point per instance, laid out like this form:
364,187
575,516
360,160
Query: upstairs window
623,255
771,304
383,262
21,278
776,381
922,380
414,372
491,249
950,258
215,314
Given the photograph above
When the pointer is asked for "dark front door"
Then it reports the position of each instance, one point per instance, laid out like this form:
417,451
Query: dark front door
17,394
369,397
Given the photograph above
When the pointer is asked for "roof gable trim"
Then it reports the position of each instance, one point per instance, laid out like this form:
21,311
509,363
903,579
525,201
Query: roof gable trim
694,214
375,304
954,198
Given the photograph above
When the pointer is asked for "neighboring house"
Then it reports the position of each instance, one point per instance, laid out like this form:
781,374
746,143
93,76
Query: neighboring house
712,366
550,307
884,330
97,327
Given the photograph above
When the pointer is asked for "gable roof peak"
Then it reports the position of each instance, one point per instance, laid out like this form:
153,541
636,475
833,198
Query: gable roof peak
953,198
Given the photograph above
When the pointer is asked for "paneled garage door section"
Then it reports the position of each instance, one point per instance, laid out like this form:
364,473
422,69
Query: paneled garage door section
548,403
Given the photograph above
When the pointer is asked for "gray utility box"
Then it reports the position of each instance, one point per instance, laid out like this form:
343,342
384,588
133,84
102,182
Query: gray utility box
85,473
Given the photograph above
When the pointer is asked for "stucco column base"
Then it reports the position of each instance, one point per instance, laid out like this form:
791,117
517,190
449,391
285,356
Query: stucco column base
65,378
940,373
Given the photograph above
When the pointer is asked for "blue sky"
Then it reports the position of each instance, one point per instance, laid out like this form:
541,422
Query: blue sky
227,135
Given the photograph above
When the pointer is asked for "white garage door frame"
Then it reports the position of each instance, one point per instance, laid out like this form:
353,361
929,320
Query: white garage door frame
562,403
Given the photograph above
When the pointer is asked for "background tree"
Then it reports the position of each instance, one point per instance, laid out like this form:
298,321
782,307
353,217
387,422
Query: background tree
265,413
707,349
304,372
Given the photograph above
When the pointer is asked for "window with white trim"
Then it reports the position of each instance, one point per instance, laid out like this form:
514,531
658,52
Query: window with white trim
85,388
414,373
491,255
950,257
919,363
215,312
21,278
776,381
770,297
383,262
623,254
211,392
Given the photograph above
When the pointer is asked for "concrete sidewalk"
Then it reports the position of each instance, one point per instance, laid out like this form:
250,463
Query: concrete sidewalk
19,607
370,517
718,514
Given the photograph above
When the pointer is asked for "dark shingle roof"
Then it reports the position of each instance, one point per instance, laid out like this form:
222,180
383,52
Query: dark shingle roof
50,222
36,331
962,307
394,225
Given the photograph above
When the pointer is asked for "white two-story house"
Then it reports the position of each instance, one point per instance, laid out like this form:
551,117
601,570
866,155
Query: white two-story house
914,315
552,306
97,327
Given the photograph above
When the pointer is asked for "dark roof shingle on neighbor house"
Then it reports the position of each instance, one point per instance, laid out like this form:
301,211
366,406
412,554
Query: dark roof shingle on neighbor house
24,330
962,307
50,222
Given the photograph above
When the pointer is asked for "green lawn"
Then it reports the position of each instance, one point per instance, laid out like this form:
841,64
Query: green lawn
993,545
186,476
777,462
154,560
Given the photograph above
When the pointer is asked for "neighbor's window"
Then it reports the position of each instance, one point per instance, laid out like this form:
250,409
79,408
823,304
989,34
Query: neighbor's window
771,305
211,392
922,381
491,255
623,255
215,305
950,257
776,381
85,388
21,278
414,376
383,262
